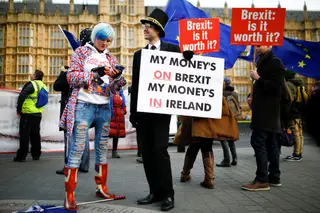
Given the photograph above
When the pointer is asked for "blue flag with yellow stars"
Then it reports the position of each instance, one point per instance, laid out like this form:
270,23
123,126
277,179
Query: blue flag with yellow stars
182,9
302,57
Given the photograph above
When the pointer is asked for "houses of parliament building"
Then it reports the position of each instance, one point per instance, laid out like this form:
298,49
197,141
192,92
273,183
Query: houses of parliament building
30,37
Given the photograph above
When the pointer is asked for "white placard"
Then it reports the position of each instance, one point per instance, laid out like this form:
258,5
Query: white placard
169,84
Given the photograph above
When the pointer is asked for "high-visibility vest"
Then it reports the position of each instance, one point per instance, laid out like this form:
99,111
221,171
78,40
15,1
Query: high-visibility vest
29,105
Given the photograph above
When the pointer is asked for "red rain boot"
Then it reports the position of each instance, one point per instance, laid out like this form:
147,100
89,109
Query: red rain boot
101,181
70,185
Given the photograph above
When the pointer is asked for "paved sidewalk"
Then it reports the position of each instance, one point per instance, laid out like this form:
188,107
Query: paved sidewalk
36,181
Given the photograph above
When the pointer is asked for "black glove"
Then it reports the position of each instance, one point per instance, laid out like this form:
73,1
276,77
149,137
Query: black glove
188,54
99,70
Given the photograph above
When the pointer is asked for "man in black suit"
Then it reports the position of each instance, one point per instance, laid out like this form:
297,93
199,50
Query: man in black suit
154,127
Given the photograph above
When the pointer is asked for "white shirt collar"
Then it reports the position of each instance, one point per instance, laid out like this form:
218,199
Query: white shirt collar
157,45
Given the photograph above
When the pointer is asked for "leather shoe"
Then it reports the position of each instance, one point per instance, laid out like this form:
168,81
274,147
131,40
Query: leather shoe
167,204
60,172
151,198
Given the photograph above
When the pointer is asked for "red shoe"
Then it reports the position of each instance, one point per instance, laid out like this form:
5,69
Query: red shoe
101,181
70,185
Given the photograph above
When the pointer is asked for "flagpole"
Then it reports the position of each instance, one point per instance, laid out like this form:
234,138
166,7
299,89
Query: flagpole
65,36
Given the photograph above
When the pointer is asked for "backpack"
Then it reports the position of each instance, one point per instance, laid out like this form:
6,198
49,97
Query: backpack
234,107
43,96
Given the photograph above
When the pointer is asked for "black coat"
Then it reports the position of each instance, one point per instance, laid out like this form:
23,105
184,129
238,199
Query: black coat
267,94
136,74
313,115
61,85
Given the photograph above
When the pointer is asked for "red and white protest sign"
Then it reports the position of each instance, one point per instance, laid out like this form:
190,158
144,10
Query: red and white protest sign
200,35
257,26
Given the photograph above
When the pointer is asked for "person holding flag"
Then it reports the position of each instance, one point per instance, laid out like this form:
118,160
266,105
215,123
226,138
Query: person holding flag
91,66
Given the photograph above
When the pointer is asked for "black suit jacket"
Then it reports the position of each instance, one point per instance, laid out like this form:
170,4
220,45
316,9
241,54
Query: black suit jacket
136,74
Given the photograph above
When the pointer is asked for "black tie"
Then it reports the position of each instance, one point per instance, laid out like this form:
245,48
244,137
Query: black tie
153,47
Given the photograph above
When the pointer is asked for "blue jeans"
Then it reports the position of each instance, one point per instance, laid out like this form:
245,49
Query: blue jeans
85,160
266,149
85,115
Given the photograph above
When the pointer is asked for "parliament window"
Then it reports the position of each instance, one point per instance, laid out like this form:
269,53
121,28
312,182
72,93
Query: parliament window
1,37
0,65
129,66
112,6
131,37
243,91
24,64
25,35
241,68
54,65
292,34
131,7
56,37
316,35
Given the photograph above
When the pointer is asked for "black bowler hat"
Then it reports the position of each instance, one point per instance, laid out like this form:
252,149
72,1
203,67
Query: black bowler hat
158,18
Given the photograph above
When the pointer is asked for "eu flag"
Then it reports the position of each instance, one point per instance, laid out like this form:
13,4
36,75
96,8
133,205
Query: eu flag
301,57
182,9
73,41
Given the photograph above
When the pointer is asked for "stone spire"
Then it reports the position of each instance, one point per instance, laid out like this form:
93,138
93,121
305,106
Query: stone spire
225,10
11,6
71,9
252,5
198,4
305,10
279,5
41,7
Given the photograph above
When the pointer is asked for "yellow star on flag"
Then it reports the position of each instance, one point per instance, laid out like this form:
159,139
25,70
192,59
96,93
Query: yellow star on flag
301,64
299,45
305,49
178,38
308,56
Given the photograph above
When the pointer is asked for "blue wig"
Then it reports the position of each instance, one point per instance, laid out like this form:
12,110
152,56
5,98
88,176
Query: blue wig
102,31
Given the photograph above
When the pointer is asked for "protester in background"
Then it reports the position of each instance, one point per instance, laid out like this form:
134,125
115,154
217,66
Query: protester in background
90,68
154,127
61,85
117,123
294,116
199,133
265,122
228,91
30,117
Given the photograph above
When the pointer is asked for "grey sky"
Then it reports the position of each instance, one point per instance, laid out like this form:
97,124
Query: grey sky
313,5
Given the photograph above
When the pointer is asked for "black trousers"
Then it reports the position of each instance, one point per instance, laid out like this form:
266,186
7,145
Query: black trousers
154,133
265,145
29,131
139,143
